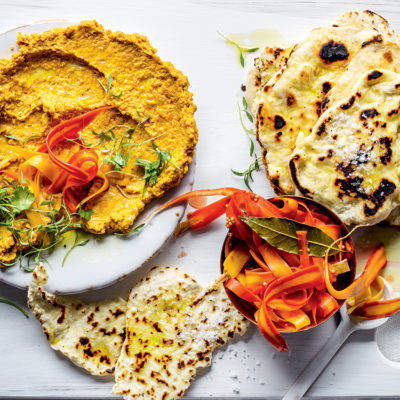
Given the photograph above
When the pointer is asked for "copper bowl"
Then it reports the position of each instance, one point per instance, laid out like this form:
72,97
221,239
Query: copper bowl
343,280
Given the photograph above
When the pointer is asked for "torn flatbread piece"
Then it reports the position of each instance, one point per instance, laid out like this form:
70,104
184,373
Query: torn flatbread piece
172,330
270,60
89,334
291,101
350,162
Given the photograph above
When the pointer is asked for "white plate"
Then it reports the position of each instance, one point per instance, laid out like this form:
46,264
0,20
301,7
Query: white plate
106,259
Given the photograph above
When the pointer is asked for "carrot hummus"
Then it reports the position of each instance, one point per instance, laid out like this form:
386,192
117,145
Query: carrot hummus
63,73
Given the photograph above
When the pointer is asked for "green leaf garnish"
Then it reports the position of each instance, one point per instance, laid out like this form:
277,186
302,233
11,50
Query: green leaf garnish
10,303
85,214
281,234
152,169
22,199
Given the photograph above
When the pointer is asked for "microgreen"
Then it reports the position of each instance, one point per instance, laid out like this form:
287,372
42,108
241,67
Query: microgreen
107,87
242,49
74,246
85,214
120,155
152,169
247,173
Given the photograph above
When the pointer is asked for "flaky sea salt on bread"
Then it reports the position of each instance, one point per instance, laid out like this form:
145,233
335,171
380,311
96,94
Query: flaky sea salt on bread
172,329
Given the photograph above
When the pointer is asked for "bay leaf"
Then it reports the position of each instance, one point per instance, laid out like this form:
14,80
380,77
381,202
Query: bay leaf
281,234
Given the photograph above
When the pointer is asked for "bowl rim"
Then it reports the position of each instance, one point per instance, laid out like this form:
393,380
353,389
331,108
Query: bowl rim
247,311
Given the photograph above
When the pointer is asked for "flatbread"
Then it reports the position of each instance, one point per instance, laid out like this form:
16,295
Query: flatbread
270,61
90,335
172,329
350,162
290,103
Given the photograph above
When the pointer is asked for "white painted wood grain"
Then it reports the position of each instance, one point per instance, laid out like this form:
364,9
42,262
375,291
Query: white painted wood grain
184,31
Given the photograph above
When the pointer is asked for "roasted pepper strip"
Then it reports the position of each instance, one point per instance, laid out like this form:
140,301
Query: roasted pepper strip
375,263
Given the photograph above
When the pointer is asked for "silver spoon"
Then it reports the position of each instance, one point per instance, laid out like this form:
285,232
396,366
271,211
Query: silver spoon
347,326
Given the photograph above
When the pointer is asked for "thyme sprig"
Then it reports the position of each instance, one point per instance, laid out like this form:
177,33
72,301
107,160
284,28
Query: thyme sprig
247,174
107,87
242,49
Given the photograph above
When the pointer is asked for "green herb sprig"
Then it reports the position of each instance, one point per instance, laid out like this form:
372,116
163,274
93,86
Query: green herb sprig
152,169
249,131
76,244
242,49
12,304
247,174
107,88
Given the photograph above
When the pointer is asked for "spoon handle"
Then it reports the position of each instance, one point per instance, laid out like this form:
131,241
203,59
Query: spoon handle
311,372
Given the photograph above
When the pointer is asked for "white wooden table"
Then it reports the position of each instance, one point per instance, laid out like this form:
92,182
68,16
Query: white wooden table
185,33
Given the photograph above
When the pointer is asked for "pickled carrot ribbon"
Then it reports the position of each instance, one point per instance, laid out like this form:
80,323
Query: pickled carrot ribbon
288,292
64,176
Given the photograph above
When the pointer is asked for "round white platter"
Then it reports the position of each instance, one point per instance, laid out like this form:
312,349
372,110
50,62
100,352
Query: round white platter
105,259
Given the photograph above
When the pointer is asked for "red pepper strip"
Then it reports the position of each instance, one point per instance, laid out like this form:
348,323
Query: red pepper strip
377,309
204,216
69,129
233,213
269,331
289,208
274,261
326,304
228,191
86,161
304,278
377,260
303,248
241,291
334,231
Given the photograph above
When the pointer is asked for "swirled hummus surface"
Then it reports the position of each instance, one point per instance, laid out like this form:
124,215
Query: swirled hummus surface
65,72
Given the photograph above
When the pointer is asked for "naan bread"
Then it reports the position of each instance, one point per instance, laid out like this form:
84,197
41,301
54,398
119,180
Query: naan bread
90,335
290,103
172,329
351,160
270,60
